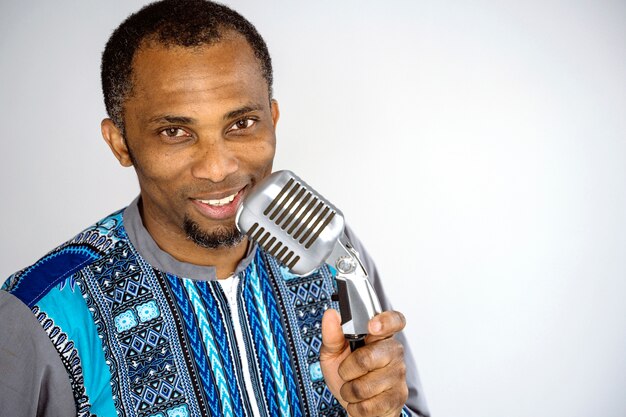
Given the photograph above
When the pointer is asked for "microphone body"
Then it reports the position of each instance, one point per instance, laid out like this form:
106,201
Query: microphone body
303,230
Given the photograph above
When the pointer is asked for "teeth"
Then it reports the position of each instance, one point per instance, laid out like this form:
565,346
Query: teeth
221,202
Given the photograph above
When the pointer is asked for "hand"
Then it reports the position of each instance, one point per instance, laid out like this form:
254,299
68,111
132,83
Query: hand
371,381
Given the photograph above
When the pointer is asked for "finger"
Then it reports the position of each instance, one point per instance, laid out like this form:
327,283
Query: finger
385,325
370,357
333,340
387,403
375,382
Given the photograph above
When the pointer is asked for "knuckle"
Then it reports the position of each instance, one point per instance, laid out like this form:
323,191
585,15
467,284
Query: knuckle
388,406
344,371
346,392
363,408
401,396
405,394
364,357
362,390
402,370
399,350
393,401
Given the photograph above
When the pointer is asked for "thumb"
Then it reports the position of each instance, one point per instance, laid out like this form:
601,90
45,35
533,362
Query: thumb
333,352
333,340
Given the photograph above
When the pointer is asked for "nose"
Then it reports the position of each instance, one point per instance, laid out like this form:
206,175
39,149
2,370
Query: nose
214,161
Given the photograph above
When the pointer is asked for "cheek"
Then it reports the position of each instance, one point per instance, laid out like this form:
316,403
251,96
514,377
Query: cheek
162,169
261,154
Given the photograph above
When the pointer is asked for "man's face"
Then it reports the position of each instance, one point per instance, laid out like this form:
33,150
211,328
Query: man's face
200,131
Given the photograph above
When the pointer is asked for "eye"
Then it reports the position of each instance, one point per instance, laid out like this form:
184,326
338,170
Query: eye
174,132
243,124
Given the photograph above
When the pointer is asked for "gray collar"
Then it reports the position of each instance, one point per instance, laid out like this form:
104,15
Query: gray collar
163,261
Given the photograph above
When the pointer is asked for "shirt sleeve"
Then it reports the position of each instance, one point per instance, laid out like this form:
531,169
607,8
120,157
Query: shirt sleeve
34,381
416,402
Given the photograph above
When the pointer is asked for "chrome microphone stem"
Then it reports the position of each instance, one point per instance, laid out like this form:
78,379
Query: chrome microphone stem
358,302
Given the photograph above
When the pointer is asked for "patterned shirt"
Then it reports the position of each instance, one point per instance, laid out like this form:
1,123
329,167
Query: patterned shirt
141,334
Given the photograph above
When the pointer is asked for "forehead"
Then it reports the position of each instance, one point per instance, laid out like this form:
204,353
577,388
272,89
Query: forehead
175,74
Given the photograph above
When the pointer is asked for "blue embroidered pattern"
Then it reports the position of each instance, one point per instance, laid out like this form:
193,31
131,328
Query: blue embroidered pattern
71,359
266,329
146,378
261,351
307,299
195,340
224,345
210,347
279,333
167,342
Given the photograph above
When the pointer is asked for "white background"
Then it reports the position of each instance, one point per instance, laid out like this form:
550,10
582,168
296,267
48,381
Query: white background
477,148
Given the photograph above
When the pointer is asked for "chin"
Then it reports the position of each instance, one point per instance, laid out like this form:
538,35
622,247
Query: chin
223,236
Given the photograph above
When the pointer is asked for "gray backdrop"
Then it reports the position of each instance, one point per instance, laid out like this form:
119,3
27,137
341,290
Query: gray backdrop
477,147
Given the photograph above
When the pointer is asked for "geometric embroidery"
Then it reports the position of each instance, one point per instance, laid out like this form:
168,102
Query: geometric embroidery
143,341
307,291
326,401
147,368
311,300
121,279
208,339
194,346
181,411
278,316
156,393
147,311
316,372
125,321
144,373
264,335
262,355
312,347
310,296
70,358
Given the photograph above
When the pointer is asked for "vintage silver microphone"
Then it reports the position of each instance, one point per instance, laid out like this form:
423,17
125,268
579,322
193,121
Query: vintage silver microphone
302,230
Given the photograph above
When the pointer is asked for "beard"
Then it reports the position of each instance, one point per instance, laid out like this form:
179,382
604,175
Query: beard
223,237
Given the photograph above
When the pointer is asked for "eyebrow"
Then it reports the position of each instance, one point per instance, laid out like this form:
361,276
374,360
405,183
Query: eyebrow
180,120
183,120
241,111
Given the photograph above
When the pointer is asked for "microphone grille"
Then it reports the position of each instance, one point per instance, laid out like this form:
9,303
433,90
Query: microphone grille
291,221
300,213
273,246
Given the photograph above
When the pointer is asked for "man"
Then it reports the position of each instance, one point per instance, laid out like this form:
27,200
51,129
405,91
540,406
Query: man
164,308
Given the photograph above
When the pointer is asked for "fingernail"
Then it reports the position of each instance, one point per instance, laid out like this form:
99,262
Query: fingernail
376,326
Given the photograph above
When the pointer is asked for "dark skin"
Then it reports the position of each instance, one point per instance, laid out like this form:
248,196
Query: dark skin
371,381
201,127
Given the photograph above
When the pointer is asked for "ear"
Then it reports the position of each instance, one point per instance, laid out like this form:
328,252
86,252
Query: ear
275,112
114,138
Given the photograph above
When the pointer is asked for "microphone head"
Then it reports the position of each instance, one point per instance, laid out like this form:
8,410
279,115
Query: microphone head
291,221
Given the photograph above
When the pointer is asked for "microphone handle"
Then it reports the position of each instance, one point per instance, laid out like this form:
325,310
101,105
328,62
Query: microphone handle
356,343
357,305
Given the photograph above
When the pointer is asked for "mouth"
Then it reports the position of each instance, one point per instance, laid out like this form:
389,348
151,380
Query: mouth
222,206
220,202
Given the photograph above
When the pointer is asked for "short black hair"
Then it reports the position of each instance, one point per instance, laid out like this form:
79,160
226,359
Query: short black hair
188,23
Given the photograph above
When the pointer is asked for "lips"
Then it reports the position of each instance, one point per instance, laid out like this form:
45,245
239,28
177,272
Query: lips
221,202
219,208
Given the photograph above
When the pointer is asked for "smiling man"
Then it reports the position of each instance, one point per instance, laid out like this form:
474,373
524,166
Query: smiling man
164,308
199,129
